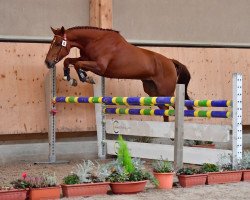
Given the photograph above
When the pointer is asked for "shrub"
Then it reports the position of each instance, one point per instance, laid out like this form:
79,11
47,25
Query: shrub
71,179
88,172
162,166
188,171
124,168
208,167
28,181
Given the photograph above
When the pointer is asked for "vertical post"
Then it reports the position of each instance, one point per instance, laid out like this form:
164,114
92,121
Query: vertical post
50,92
100,16
237,119
179,126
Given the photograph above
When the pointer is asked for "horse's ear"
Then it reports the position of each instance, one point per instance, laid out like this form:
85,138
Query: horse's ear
62,30
54,31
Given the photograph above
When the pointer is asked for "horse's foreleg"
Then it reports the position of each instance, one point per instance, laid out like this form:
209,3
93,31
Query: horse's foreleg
83,76
66,70
89,66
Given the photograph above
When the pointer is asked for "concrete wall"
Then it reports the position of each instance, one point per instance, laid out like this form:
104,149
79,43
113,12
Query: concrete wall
224,21
33,18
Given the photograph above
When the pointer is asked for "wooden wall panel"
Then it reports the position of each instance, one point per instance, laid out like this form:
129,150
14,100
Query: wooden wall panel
22,75
22,102
211,71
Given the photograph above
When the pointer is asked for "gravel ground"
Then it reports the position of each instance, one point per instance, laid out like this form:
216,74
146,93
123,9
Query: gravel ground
239,191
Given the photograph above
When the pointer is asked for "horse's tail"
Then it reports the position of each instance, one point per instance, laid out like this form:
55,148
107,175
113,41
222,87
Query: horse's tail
183,78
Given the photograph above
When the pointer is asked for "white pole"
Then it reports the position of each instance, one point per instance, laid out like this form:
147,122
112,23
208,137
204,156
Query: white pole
99,90
179,126
237,119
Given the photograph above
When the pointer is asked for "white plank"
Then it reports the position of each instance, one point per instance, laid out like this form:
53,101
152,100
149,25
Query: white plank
192,131
157,151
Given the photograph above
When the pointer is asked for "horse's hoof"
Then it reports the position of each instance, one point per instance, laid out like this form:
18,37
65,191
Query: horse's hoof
73,82
90,80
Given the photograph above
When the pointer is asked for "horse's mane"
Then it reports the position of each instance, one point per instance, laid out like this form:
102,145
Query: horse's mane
91,27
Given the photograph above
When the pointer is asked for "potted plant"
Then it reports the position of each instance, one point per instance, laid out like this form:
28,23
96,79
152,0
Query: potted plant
128,175
9,193
18,191
202,144
245,166
87,179
223,172
163,171
42,187
189,177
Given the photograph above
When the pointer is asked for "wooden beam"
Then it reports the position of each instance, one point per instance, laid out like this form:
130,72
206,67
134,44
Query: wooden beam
192,131
106,15
100,16
191,155
94,12
101,13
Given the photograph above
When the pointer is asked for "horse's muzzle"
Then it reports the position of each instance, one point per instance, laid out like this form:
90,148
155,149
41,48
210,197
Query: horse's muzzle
50,64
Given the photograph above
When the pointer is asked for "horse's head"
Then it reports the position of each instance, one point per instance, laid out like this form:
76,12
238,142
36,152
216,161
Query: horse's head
59,47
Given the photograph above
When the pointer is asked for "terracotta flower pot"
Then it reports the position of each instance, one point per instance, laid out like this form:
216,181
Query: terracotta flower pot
13,194
45,193
165,180
86,189
246,175
192,180
224,177
128,187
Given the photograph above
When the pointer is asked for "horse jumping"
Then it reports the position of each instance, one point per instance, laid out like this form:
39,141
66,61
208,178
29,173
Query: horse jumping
106,53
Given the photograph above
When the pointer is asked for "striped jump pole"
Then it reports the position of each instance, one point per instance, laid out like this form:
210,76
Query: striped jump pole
161,112
142,101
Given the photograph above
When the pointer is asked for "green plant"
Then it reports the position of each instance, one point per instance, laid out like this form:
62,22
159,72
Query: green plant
188,171
88,172
244,163
225,162
71,179
101,172
197,142
162,166
124,168
20,183
83,171
208,167
119,174
29,181
124,156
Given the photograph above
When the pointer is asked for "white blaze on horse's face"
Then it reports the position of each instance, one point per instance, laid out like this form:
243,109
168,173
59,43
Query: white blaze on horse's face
58,50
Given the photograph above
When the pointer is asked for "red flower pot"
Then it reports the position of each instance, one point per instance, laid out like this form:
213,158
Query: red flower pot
192,180
224,177
86,189
45,193
14,194
128,187
165,180
246,175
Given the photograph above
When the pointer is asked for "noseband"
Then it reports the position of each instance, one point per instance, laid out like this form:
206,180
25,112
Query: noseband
64,44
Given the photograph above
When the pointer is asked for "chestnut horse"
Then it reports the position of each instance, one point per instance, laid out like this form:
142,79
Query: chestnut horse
106,53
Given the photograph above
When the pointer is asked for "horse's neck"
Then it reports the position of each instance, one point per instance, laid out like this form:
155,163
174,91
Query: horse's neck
81,37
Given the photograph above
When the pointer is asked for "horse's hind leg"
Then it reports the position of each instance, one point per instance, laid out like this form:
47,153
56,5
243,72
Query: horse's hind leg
150,88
